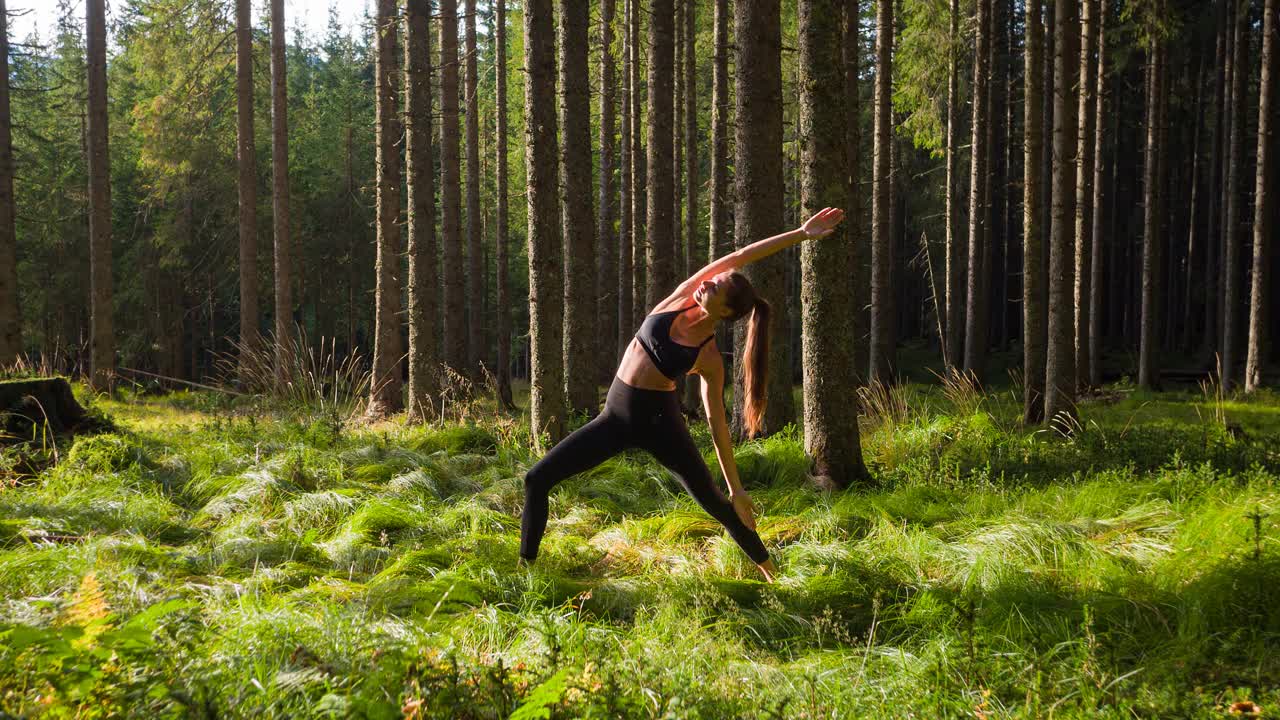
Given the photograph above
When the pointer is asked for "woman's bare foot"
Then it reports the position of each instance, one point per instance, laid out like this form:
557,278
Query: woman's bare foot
769,569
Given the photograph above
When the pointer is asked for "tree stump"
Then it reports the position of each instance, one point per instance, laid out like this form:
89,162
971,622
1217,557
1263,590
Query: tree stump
28,407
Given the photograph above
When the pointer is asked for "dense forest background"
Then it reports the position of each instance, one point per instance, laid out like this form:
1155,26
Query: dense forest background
1137,186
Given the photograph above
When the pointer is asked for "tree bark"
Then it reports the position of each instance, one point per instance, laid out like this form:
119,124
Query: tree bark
1233,231
546,265
420,168
1084,186
1264,200
607,249
102,342
247,184
1099,196
830,378
456,335
575,196
1034,317
385,396
975,344
882,342
953,325
720,241
694,255
859,275
660,250
626,274
758,208
639,194
1060,376
501,221
1148,372
475,248
280,223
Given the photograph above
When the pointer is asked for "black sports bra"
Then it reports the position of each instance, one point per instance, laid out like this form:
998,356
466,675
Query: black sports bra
670,357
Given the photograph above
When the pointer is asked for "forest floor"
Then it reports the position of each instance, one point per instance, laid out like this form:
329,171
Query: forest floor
221,558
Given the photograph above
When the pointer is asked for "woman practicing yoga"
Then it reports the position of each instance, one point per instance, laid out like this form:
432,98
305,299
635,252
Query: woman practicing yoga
642,410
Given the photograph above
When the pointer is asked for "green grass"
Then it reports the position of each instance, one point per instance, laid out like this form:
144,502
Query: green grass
218,559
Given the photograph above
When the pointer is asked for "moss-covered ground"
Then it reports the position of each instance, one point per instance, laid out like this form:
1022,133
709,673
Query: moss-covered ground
213,558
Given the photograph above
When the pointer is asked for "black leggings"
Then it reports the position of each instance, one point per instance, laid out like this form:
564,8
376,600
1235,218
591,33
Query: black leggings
632,418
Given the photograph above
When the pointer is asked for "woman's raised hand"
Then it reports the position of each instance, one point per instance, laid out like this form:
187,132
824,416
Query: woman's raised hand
823,223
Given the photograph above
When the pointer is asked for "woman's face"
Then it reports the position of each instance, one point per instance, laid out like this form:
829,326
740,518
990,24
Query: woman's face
712,295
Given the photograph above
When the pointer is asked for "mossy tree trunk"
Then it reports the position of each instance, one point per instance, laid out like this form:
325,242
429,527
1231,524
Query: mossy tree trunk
546,266
580,306
827,297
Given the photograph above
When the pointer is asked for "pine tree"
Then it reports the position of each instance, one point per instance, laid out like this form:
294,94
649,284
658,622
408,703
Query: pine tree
385,395
280,221
423,274
660,249
575,196
626,273
607,238
758,208
456,334
501,221
546,265
1034,298
1060,375
1084,186
1264,201
830,376
102,343
956,253
247,182
1233,228
975,319
881,367
475,249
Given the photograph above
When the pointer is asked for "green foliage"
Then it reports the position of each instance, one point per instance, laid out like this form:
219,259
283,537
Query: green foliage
230,565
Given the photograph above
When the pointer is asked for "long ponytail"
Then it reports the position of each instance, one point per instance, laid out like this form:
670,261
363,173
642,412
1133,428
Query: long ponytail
756,367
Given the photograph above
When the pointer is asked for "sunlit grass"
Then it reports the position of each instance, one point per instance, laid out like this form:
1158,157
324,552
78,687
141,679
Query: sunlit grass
295,567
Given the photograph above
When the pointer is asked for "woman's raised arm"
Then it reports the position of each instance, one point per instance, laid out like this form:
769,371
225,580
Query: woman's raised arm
820,225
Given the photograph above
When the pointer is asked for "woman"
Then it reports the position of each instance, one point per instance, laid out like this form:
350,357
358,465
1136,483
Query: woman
642,410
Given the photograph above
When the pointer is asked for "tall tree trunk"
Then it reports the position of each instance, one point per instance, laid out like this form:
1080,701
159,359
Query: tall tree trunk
1233,234
975,344
475,249
575,194
607,237
954,312
456,337
1148,348
280,225
247,183
424,277
996,192
1217,165
10,322
1264,200
719,242
500,235
1099,196
1034,317
1194,264
694,255
639,194
1060,375
660,250
1084,185
385,384
830,377
626,274
882,343
758,207
102,353
546,265
860,272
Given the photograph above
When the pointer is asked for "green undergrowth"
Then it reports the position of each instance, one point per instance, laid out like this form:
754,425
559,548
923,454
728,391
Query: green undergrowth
214,558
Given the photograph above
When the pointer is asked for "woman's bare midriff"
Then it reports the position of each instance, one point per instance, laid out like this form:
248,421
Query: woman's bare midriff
638,371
